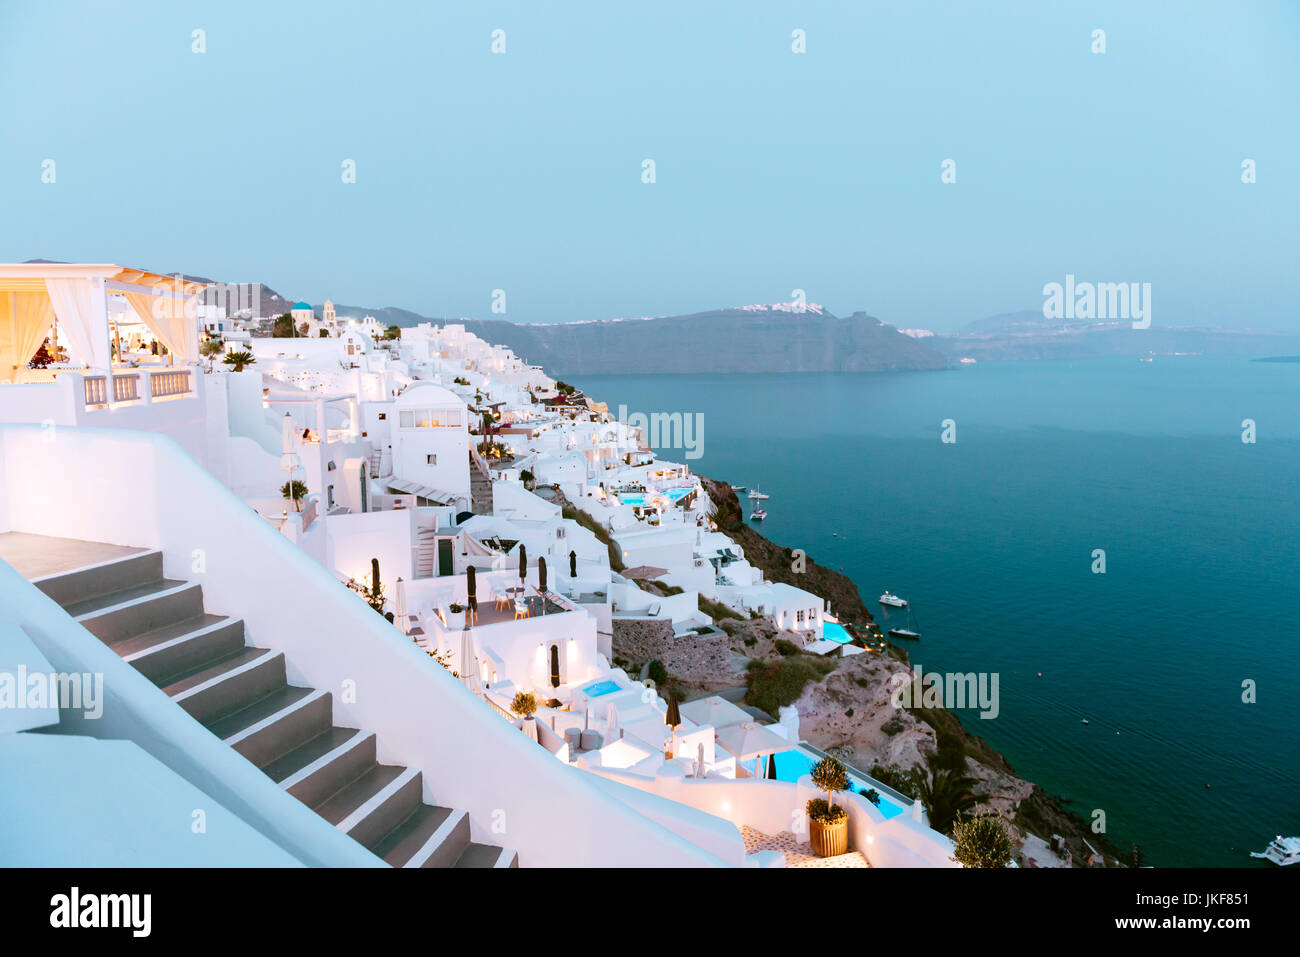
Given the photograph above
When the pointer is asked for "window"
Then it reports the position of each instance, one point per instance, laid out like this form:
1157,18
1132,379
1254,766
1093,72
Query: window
798,616
406,420
383,416
331,466
431,459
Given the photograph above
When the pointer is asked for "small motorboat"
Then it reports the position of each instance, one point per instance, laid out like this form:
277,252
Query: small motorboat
738,488
894,600
1282,851
757,515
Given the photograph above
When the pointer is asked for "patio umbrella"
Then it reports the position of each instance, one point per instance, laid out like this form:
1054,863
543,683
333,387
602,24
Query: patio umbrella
471,585
749,741
771,766
699,761
466,661
674,716
611,724
916,810
573,564
541,575
715,712
523,564
403,622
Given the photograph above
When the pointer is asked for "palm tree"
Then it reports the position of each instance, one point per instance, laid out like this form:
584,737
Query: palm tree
237,360
945,794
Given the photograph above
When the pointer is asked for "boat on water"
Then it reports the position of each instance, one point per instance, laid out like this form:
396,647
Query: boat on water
758,514
1281,851
756,495
893,600
908,632
738,488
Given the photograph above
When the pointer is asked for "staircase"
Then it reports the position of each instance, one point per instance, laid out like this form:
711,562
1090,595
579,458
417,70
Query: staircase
480,488
159,626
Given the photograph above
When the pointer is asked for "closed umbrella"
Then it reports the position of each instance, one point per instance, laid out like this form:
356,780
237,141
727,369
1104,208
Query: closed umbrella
471,585
916,810
573,564
466,661
523,563
699,761
403,621
674,716
541,575
611,724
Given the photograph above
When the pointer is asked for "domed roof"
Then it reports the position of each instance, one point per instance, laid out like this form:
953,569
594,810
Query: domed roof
302,305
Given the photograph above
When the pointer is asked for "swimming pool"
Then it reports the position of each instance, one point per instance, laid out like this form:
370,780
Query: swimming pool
792,765
631,499
679,493
834,631
599,688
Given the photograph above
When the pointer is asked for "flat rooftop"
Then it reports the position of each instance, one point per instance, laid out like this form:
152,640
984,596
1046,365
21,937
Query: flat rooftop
36,556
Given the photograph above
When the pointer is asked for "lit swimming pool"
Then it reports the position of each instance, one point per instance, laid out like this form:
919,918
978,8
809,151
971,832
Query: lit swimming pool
631,499
834,631
792,765
679,493
600,688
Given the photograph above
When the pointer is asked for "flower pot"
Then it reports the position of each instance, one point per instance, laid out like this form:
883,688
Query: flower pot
828,840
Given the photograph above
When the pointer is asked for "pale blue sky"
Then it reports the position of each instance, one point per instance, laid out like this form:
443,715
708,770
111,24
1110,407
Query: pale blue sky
775,171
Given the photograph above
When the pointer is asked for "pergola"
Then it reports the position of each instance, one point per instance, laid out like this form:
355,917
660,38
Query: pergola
34,296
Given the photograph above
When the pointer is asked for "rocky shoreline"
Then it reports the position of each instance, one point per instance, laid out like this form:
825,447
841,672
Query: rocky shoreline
849,711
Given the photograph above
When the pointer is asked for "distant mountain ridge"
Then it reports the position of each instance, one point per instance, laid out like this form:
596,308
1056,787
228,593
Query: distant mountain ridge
742,339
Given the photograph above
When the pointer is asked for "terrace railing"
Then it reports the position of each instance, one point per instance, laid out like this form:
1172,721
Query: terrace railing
163,384
126,388
96,390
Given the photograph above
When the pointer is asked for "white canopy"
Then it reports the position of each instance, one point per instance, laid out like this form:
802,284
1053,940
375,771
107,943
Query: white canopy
76,295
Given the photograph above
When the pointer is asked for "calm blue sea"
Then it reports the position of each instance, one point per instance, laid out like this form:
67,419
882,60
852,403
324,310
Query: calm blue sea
992,538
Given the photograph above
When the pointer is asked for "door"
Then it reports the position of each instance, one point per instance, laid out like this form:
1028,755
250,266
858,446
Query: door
446,565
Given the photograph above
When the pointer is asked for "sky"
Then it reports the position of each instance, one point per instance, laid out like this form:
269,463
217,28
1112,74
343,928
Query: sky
774,171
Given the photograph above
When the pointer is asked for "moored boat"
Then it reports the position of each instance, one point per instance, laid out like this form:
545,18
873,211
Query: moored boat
894,600
758,515
1281,851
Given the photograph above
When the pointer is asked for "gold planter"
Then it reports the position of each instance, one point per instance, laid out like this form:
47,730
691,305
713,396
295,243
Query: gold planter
829,840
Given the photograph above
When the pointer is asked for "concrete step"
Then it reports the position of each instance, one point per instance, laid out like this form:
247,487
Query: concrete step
375,803
140,608
278,724
229,684
324,765
83,584
432,836
163,654
487,855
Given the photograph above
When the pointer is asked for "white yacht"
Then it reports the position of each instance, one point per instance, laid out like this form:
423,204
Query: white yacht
1282,851
756,495
894,600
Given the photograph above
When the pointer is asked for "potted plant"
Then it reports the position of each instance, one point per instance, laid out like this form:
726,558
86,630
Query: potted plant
524,706
296,491
455,615
828,824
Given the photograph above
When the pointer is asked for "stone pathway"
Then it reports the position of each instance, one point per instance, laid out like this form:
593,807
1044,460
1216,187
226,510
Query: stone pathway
796,854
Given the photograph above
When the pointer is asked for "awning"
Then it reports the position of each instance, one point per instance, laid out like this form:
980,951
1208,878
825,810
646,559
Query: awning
423,491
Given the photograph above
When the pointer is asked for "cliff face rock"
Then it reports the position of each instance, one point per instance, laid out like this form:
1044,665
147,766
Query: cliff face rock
696,660
777,561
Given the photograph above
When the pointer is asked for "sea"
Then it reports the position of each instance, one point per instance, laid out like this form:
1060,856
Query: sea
1116,539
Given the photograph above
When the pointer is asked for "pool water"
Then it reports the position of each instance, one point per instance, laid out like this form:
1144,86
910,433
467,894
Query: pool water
679,493
792,765
632,499
600,688
834,631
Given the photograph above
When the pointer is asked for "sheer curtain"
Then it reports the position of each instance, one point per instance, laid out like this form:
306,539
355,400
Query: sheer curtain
74,305
25,320
169,318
